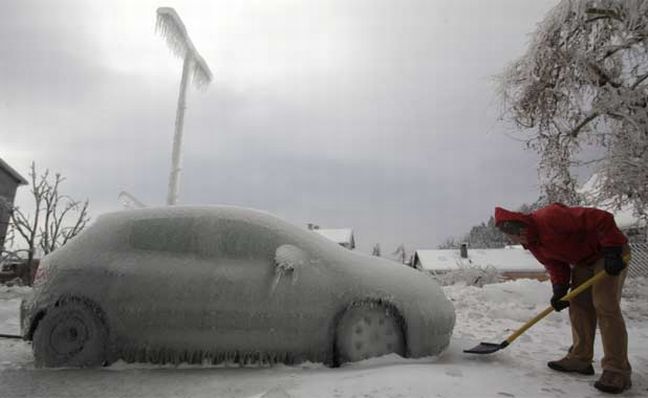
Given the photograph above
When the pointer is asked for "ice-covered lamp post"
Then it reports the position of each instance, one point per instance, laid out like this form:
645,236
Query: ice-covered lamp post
173,30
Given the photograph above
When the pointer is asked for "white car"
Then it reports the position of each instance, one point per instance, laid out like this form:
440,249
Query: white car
220,284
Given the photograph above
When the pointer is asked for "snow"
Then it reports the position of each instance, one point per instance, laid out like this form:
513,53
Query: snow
508,259
10,297
486,314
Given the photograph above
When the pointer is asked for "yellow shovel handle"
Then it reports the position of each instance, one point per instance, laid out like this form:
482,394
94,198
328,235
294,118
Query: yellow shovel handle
591,281
550,309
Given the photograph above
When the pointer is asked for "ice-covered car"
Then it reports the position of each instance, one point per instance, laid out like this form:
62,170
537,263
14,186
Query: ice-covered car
225,284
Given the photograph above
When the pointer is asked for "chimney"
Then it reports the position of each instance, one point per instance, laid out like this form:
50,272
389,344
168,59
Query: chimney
463,250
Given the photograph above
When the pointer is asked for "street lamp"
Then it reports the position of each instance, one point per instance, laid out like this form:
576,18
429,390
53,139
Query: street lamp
170,27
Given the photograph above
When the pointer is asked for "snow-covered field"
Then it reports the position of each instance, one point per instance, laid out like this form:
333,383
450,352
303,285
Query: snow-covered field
487,314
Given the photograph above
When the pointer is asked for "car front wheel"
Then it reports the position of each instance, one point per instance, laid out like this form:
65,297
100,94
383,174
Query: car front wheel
367,331
71,334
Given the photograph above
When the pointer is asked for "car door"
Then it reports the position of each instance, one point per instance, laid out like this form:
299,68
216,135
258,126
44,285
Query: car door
160,282
303,300
240,254
252,305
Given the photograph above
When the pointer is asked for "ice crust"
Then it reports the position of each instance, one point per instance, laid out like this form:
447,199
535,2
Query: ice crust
225,284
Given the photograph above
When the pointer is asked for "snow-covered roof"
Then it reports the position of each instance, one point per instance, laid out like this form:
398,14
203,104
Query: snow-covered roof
508,259
342,236
13,173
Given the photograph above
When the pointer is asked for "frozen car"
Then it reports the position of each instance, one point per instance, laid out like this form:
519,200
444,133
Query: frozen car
225,284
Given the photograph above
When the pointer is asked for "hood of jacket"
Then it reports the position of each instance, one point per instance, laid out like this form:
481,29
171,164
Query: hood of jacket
502,215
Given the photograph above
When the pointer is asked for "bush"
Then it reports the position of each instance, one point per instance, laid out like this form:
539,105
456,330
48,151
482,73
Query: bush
470,275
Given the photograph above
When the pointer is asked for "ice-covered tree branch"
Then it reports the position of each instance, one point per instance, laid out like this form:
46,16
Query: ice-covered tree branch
57,218
580,83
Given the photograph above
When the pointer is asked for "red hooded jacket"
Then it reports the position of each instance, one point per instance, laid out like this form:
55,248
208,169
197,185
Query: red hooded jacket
559,236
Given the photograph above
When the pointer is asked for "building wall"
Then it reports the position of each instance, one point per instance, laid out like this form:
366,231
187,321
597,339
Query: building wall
541,276
8,187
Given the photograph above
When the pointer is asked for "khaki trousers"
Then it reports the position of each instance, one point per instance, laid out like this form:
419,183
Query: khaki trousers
599,304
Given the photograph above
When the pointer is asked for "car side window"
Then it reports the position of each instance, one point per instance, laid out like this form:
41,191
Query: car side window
237,239
164,234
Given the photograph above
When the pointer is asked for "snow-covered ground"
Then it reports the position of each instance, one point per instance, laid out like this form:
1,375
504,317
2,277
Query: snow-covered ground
487,314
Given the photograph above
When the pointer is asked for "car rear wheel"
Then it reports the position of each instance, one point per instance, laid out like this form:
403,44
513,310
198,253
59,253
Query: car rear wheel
367,331
71,334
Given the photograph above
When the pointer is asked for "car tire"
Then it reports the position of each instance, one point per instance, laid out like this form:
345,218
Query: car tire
368,330
71,334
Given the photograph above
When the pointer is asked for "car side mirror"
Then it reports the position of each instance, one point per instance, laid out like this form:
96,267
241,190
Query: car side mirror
288,260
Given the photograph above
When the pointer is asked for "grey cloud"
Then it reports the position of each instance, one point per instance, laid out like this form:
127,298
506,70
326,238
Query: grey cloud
400,141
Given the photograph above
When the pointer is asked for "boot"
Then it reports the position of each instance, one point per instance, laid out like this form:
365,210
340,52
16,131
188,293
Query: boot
613,382
572,365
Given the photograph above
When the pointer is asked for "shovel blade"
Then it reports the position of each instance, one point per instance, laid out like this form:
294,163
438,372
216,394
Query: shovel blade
485,348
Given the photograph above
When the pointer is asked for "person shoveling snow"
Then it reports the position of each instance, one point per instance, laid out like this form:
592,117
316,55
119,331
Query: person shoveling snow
574,243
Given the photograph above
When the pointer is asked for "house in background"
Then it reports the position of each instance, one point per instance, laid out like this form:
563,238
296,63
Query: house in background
342,236
9,182
512,262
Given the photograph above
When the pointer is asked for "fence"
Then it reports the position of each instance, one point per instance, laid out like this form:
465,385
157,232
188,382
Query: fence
639,262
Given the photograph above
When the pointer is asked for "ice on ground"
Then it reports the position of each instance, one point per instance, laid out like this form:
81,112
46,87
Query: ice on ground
14,292
10,297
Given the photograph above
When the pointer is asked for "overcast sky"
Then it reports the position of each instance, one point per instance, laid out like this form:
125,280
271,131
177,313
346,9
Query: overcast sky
378,115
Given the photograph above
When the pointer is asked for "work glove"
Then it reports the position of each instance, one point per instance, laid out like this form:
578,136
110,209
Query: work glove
613,262
559,291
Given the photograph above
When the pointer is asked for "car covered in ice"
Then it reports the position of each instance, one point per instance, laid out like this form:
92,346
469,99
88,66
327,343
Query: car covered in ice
225,284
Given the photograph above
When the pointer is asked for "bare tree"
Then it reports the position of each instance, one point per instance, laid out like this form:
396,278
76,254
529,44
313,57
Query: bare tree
401,254
449,243
57,218
583,83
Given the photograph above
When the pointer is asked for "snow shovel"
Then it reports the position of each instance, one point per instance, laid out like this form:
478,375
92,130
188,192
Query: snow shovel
489,348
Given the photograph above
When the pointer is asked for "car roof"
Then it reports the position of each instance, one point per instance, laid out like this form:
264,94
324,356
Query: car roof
252,216
221,211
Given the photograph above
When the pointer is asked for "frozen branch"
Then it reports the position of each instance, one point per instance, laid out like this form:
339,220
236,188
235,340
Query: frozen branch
640,80
576,130
53,212
586,68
